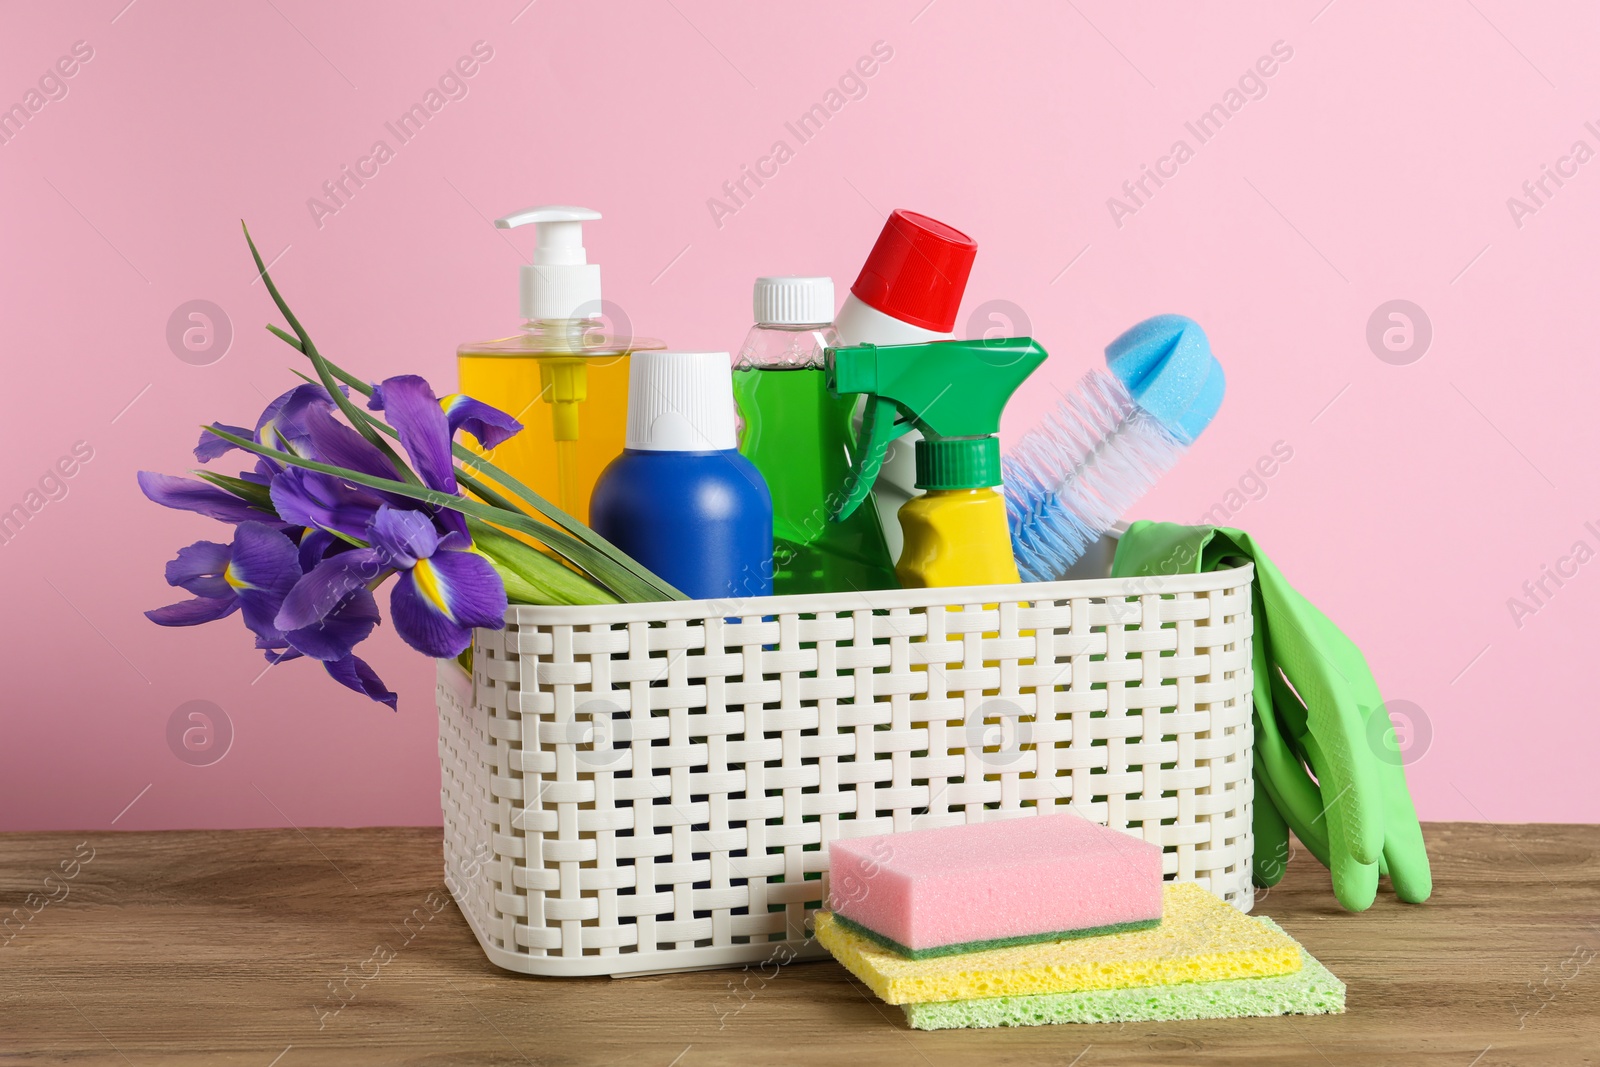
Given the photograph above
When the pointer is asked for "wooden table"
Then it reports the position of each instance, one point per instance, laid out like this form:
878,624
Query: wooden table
227,947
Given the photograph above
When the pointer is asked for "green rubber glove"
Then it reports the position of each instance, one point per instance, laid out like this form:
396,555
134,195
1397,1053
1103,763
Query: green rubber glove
1314,698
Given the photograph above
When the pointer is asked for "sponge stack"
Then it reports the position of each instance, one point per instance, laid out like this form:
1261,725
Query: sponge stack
1049,919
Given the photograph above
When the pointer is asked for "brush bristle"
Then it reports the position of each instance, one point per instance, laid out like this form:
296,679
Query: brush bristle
1074,475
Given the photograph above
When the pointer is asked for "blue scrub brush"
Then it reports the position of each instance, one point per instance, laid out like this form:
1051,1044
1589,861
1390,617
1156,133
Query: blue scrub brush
1075,474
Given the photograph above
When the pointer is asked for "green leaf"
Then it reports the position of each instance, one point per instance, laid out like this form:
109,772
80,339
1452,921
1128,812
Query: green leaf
358,418
518,589
253,493
495,500
542,579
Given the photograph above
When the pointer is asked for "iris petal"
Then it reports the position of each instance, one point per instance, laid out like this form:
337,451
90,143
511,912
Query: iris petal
402,535
437,603
283,421
454,525
470,588
341,630
211,446
275,406
332,442
265,567
314,545
489,425
422,627
199,568
424,431
314,596
353,672
310,498
194,612
185,494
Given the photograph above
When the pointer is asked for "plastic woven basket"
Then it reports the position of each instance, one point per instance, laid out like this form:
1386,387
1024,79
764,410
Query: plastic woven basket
652,787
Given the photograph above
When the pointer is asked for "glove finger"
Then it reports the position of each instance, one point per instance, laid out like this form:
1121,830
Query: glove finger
1409,872
1281,778
1280,771
1403,846
1295,796
1355,884
1339,757
1405,856
1272,841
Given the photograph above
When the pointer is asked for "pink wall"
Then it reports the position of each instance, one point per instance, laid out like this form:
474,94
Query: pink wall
1376,167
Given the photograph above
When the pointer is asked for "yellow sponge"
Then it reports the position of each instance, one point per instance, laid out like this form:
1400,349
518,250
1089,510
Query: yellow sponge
1200,939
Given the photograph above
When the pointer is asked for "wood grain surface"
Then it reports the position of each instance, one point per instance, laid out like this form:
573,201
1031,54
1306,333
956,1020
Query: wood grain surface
283,948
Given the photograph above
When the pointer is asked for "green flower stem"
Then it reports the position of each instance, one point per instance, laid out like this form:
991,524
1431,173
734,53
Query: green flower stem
539,579
358,418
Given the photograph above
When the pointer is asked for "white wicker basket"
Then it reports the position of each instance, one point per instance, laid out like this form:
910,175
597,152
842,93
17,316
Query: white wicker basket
652,787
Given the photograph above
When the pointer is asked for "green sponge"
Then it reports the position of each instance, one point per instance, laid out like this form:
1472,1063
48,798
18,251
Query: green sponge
1312,990
999,942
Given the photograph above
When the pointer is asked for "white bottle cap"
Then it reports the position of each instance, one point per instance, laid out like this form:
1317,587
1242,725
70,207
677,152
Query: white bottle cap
560,283
680,402
793,301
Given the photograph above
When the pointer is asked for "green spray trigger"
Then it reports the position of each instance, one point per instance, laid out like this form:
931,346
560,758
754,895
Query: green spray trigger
953,391
879,428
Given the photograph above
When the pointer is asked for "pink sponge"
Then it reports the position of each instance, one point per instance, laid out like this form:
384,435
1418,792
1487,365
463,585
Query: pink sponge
964,888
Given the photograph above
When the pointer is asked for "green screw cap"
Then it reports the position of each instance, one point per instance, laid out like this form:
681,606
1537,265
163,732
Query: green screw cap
962,463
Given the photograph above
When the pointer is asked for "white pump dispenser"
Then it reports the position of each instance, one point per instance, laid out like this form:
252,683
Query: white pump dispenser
560,283
564,374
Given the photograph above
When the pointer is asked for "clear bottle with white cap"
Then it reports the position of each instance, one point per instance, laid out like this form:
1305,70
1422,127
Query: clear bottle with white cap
681,499
563,374
799,436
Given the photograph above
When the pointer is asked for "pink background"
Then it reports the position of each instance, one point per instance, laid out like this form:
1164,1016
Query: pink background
1377,166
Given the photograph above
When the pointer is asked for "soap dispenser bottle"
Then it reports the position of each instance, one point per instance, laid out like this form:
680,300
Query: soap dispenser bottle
562,375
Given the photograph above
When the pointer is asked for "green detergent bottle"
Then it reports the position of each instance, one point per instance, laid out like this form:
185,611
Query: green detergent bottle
799,437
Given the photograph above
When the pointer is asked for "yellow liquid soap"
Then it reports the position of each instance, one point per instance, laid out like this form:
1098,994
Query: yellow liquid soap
568,387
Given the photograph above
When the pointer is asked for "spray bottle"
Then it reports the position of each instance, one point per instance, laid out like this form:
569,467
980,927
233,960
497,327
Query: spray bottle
908,292
563,375
952,392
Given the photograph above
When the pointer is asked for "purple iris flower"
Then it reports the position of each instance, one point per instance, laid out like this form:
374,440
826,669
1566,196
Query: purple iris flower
309,547
254,575
444,589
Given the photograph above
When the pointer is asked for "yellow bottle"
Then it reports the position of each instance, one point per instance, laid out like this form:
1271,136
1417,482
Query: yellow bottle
955,537
563,376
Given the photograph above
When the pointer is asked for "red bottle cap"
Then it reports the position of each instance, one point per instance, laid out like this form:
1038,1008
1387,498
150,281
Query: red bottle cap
917,271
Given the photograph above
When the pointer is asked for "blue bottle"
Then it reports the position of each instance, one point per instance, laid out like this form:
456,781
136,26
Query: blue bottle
680,498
